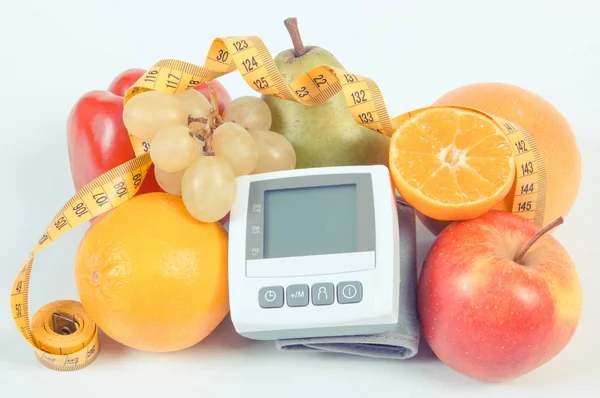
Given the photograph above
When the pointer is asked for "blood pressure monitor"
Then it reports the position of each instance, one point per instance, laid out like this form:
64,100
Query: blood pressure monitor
314,253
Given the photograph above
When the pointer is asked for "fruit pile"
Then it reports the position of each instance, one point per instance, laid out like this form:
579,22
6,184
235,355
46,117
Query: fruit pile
498,295
197,153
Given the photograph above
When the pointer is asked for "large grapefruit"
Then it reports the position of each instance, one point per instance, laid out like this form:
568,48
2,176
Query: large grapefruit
548,127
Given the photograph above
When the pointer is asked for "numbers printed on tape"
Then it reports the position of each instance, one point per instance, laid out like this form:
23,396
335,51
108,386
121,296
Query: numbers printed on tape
80,348
530,187
251,58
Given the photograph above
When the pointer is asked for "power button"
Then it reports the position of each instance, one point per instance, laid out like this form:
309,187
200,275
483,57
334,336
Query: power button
349,292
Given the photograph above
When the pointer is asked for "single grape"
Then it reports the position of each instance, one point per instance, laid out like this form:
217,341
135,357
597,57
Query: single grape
234,144
169,182
173,149
152,111
275,152
208,188
252,113
196,104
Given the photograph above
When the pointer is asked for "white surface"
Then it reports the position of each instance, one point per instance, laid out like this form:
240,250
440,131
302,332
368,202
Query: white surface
53,51
380,279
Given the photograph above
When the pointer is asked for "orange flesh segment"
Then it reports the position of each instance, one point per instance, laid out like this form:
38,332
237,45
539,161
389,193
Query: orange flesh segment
452,157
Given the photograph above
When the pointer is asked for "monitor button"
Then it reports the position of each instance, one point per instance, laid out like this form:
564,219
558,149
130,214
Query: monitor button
349,292
270,297
297,295
322,294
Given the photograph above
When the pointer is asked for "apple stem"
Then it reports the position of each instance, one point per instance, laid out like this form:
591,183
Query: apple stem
292,26
538,235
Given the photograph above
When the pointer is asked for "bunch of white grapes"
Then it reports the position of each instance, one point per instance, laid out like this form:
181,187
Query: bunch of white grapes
197,153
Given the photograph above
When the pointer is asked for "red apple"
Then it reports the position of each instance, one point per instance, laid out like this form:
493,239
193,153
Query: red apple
489,314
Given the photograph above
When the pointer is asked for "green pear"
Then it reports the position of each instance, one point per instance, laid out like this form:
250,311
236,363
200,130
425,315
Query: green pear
325,134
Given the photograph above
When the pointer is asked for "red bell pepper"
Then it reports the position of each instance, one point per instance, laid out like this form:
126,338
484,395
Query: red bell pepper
97,138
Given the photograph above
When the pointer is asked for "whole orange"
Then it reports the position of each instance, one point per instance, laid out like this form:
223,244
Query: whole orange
152,277
547,126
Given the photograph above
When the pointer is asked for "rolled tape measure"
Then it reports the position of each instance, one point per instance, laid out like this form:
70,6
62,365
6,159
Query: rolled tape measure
63,335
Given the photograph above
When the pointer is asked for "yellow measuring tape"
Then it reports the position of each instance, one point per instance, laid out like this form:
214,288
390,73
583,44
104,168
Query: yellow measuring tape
250,56
62,334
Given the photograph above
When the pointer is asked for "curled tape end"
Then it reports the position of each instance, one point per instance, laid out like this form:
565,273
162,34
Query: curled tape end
68,345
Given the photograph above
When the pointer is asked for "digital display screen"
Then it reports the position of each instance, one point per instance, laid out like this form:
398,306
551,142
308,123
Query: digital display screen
310,221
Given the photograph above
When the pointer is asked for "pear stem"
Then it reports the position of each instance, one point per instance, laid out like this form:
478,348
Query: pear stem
292,26
538,235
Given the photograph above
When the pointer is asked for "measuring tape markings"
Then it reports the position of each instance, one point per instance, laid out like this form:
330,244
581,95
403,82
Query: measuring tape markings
531,180
252,59
80,348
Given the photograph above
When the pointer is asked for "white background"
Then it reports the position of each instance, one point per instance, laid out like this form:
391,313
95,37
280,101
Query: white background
51,52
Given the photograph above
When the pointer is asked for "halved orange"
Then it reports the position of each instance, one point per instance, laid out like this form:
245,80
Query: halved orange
451,163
